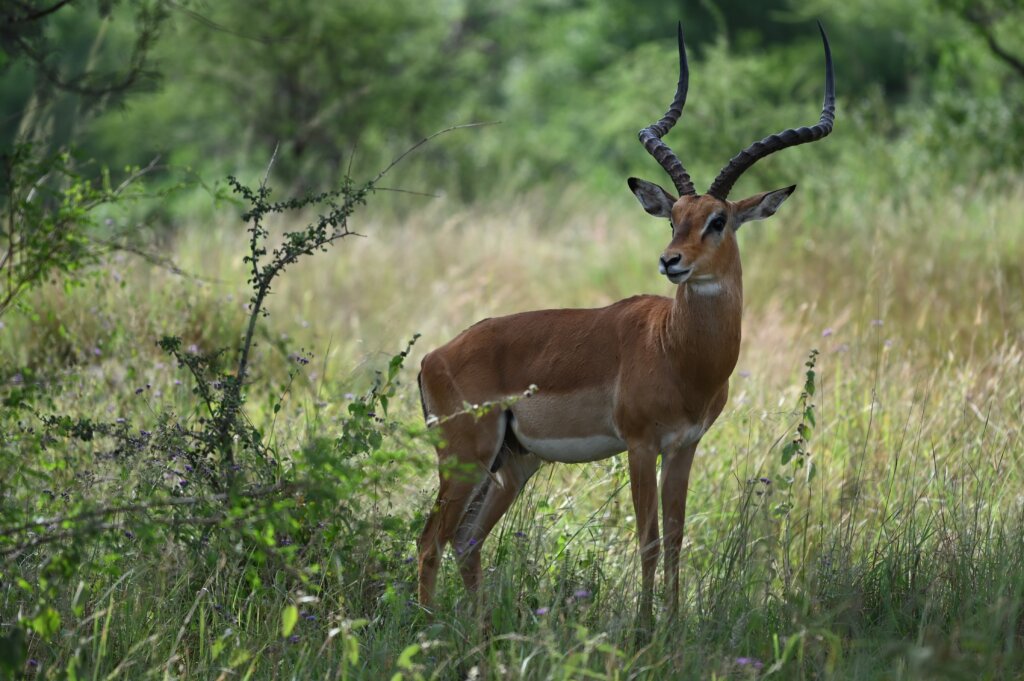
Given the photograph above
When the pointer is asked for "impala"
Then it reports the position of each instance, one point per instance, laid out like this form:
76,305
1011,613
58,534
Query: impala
647,375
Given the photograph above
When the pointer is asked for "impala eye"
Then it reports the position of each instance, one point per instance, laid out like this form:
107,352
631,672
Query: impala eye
718,223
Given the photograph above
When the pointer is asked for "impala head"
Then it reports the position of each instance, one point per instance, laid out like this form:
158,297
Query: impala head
703,243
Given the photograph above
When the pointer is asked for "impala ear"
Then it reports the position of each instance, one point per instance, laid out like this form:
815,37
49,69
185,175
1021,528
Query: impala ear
761,206
653,198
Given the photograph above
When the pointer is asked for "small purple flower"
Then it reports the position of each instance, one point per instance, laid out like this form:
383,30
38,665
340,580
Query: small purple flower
33,662
766,481
876,322
888,343
409,559
751,662
827,332
744,374
581,594
188,468
520,534
309,617
97,352
542,611
294,638
17,379
193,348
129,534
183,483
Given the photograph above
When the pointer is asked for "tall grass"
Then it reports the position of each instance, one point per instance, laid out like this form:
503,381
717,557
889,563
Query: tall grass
902,557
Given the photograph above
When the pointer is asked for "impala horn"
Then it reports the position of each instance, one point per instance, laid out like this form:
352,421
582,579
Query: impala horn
651,136
722,185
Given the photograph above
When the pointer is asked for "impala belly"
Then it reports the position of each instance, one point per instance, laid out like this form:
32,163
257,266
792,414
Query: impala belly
570,428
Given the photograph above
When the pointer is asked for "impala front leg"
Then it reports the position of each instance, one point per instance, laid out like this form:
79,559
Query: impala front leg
643,483
675,480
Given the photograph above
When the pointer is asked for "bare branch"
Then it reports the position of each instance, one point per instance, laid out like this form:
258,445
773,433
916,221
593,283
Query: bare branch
398,159
983,23
41,13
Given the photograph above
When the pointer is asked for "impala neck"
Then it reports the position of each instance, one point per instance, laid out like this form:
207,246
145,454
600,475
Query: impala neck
704,326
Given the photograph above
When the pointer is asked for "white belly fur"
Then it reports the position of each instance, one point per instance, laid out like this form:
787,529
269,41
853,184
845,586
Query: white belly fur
572,449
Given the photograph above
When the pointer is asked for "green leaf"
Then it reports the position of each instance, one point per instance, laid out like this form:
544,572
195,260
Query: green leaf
405,659
13,651
809,416
239,657
788,452
289,617
46,623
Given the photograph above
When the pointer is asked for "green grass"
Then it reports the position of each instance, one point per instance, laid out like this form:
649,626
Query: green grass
903,558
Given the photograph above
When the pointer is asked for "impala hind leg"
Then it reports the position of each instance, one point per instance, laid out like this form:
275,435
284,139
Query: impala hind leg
494,499
463,461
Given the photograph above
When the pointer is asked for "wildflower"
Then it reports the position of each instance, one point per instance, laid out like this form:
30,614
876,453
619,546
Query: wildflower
888,343
96,352
751,662
294,638
183,483
827,332
409,559
744,374
581,594
542,611
520,534
876,322
33,662
766,481
309,617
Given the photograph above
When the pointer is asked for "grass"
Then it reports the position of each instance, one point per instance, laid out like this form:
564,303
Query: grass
902,558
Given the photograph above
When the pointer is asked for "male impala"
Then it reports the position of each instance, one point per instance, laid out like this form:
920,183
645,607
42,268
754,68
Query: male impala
647,374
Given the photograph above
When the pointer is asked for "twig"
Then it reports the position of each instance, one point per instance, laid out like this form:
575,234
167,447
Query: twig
398,159
408,191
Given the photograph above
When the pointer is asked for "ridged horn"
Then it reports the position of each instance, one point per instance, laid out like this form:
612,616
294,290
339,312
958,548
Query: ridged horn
651,136
722,185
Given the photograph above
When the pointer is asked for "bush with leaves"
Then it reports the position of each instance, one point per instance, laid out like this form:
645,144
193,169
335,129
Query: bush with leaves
210,480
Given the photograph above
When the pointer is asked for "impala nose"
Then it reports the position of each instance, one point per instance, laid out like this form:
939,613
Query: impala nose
669,261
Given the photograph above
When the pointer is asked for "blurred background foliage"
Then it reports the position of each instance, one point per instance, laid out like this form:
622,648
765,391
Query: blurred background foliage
930,91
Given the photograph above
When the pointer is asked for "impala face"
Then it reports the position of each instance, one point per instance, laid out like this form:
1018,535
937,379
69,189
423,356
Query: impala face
703,245
702,241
